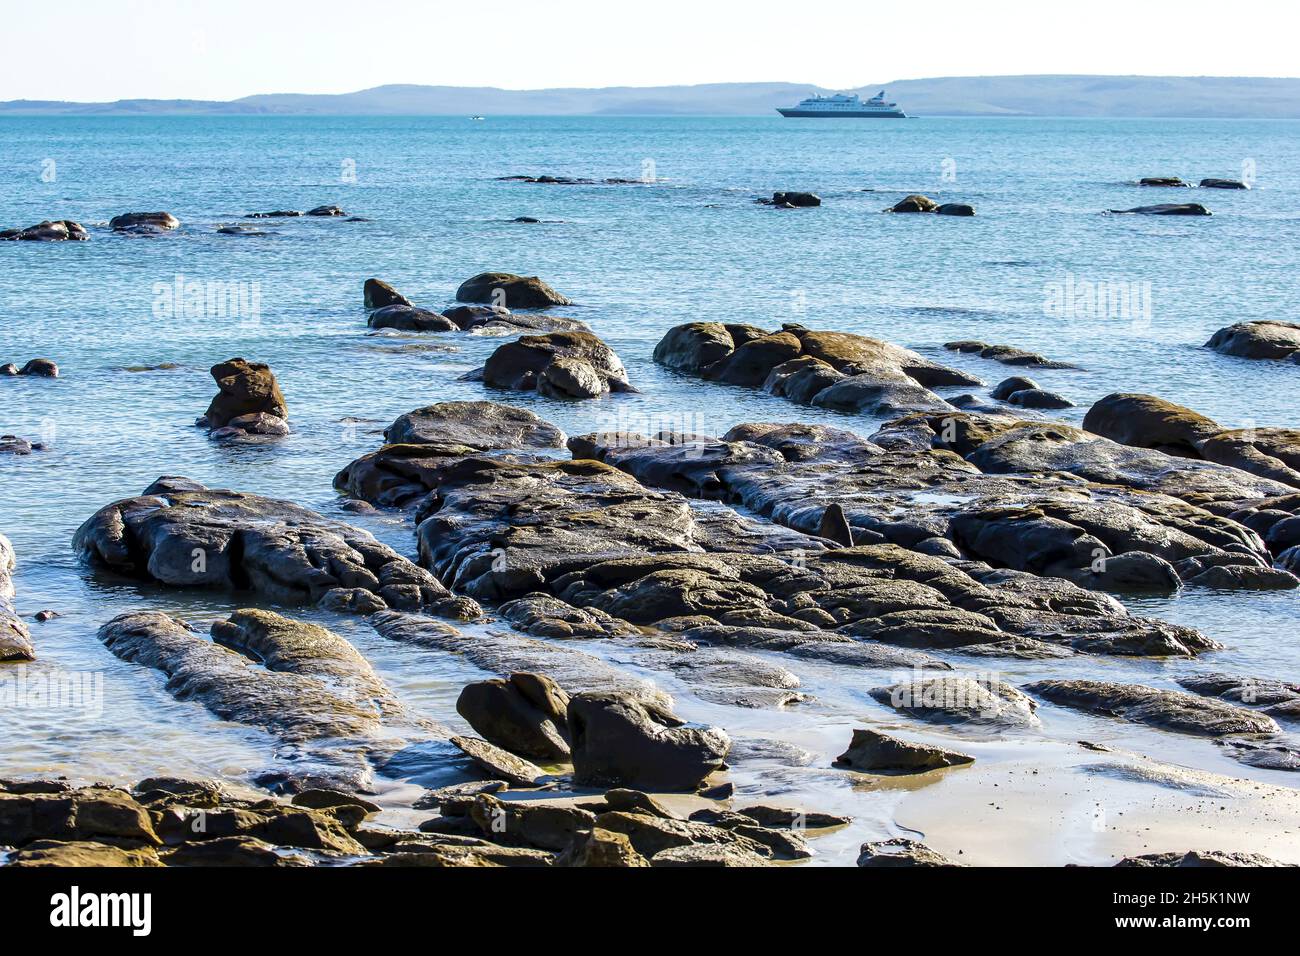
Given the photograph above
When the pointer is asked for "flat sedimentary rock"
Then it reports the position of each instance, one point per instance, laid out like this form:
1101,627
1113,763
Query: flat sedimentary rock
960,700
873,752
542,615
1149,422
82,853
1266,339
459,428
15,639
650,835
815,644
91,813
1199,858
499,763
184,535
851,373
300,682
1277,698
509,290
901,852
1006,354
1165,709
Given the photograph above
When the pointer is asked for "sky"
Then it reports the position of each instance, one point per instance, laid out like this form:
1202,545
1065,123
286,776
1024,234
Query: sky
96,50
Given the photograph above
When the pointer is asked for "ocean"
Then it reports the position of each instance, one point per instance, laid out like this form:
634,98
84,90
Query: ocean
1129,299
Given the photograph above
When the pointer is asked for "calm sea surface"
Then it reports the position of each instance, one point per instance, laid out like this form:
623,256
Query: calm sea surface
637,259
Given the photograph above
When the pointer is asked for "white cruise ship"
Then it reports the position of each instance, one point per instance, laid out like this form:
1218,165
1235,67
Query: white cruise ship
846,105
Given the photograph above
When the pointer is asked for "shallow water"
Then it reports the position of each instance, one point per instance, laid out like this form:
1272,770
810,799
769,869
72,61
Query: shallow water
638,259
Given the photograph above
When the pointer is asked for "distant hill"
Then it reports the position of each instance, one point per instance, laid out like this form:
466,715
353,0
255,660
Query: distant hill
1104,96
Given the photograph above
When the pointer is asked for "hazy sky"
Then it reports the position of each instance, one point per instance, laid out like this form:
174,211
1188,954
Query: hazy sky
111,49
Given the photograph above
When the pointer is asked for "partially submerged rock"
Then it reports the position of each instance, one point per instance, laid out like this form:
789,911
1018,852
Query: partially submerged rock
182,534
245,389
959,699
1168,209
1265,339
144,222
955,209
1223,184
1162,181
1165,709
827,369
15,639
509,290
57,230
792,200
408,318
1006,354
873,752
1277,698
618,740
557,365
376,293
914,203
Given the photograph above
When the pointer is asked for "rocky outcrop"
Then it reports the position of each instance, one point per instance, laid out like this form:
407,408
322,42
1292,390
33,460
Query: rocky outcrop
509,290
15,639
245,389
407,318
557,365
303,684
36,368
376,293
873,752
1276,698
524,713
901,852
1165,709
462,428
1168,209
833,370
1267,339
1006,354
1149,422
144,223
1199,858
914,203
792,200
181,534
618,740
57,230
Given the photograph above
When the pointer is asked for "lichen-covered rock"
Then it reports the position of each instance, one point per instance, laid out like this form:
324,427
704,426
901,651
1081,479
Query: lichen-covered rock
601,848
182,534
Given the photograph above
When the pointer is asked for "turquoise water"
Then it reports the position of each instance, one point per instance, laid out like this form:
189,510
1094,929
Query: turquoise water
637,259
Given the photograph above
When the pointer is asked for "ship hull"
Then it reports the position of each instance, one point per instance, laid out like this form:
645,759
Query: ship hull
840,114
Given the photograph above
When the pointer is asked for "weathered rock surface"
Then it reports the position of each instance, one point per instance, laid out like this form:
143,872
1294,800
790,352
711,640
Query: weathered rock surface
1199,858
901,852
1006,354
873,752
826,369
914,203
57,230
15,639
1168,209
244,388
1165,709
558,365
93,813
184,535
1269,339
542,615
407,318
509,290
525,713
958,699
1149,422
300,682
500,764
618,740
601,848
144,222
1277,698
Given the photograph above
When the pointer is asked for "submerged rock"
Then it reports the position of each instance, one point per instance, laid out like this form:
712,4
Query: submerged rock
557,365
182,534
793,200
57,230
461,428
1006,354
1266,339
144,222
618,740
15,639
827,369
1165,709
873,752
1168,209
509,290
